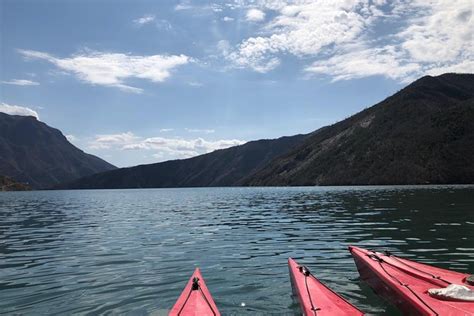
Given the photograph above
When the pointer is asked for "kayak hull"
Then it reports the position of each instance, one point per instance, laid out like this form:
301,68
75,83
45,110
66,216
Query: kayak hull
195,300
314,297
405,283
389,293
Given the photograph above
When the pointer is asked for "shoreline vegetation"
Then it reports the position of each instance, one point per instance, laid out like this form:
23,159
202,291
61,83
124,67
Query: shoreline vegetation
361,186
8,184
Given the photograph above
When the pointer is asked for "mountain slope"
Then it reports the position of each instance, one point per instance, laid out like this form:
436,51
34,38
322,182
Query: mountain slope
422,134
8,184
225,167
34,153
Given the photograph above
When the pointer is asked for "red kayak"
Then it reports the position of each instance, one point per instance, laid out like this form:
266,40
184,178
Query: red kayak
314,297
195,299
406,283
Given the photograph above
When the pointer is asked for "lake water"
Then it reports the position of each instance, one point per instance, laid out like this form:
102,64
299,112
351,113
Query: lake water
132,251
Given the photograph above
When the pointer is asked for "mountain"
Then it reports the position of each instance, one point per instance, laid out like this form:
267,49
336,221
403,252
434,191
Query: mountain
8,184
422,134
32,152
225,167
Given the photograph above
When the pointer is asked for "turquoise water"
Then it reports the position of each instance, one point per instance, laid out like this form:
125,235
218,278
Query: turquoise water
132,251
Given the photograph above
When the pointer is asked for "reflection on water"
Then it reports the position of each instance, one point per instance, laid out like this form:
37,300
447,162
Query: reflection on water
64,252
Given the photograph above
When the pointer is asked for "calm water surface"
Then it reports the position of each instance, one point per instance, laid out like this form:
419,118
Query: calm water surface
132,251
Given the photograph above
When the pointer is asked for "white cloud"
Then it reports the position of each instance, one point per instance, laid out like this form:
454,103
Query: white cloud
106,141
196,130
198,145
199,9
148,18
465,66
162,147
18,110
112,69
183,6
151,19
215,7
302,30
227,19
255,15
343,39
166,130
443,34
21,82
183,154
359,62
71,138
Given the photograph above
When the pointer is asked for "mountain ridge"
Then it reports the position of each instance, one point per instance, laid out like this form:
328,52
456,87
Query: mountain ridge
223,167
406,139
421,134
36,154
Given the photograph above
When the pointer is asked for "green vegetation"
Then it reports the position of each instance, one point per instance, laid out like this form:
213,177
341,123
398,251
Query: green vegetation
8,184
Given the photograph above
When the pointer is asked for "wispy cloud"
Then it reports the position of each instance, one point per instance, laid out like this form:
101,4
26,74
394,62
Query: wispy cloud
106,141
21,82
18,110
152,20
199,9
357,61
166,130
196,130
71,138
112,69
183,6
146,19
161,147
342,38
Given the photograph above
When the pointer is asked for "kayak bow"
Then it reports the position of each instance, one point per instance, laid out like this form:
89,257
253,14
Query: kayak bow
314,297
195,299
406,283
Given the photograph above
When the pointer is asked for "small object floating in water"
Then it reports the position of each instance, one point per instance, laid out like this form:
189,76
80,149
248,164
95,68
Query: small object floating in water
406,283
314,297
195,299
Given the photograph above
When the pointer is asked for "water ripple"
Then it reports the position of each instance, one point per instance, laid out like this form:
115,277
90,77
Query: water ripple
131,251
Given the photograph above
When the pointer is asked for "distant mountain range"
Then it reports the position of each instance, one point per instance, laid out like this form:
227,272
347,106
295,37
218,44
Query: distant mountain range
40,156
422,134
224,167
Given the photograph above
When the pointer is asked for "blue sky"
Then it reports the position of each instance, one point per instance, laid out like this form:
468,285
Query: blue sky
145,81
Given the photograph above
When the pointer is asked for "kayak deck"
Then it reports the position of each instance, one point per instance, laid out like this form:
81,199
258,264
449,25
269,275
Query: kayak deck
405,283
195,299
314,297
